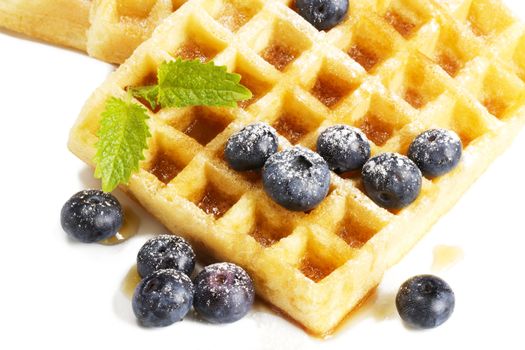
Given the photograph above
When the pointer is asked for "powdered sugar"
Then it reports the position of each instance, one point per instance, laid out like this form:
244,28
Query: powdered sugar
392,180
436,151
297,178
249,148
345,148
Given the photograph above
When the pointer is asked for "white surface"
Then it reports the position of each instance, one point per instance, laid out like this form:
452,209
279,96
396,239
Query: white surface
56,292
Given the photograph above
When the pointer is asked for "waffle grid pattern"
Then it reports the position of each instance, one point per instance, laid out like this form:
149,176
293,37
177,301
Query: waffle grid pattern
394,69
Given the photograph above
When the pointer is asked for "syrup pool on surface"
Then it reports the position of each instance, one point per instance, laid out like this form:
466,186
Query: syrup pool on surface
130,282
445,257
129,228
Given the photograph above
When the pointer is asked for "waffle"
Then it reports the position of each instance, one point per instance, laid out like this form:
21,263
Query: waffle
119,26
62,22
393,68
111,32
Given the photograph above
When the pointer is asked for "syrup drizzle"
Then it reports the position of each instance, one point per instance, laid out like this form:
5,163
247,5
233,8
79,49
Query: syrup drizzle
280,56
445,257
130,282
129,228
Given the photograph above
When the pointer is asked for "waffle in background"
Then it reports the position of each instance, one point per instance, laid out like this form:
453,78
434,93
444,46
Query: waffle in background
394,69
107,29
63,22
119,26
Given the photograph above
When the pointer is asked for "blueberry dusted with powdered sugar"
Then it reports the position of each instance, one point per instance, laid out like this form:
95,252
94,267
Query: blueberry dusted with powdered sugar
322,14
224,293
391,180
344,148
436,152
165,252
297,178
92,216
249,148
163,298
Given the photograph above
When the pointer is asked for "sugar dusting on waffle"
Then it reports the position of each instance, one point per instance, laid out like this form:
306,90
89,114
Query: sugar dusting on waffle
378,99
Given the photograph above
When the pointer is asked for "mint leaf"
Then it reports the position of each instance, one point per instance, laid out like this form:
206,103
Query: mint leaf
147,93
123,130
193,83
122,139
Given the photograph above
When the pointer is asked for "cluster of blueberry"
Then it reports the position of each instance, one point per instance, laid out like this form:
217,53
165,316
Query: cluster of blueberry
299,179
220,293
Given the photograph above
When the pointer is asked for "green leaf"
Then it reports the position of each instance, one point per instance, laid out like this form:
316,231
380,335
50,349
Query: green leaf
123,130
193,83
147,93
123,137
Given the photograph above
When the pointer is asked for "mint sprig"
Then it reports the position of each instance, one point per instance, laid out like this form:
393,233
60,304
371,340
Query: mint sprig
123,132
192,83
122,140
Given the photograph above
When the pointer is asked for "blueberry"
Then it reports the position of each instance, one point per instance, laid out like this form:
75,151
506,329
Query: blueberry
391,180
249,148
163,298
224,293
298,179
91,216
344,148
436,152
322,14
165,252
425,301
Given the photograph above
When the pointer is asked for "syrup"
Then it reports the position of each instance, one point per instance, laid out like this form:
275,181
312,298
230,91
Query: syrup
130,282
192,51
215,203
415,99
495,106
252,176
288,129
383,306
266,235
449,63
402,25
280,56
129,228
328,91
164,168
313,269
377,132
445,257
354,233
148,80
364,57
204,129
257,87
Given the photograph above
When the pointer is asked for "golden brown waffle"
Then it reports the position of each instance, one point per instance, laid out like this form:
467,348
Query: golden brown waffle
107,29
119,26
62,22
394,69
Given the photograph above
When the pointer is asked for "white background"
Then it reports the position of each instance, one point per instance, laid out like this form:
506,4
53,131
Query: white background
56,293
